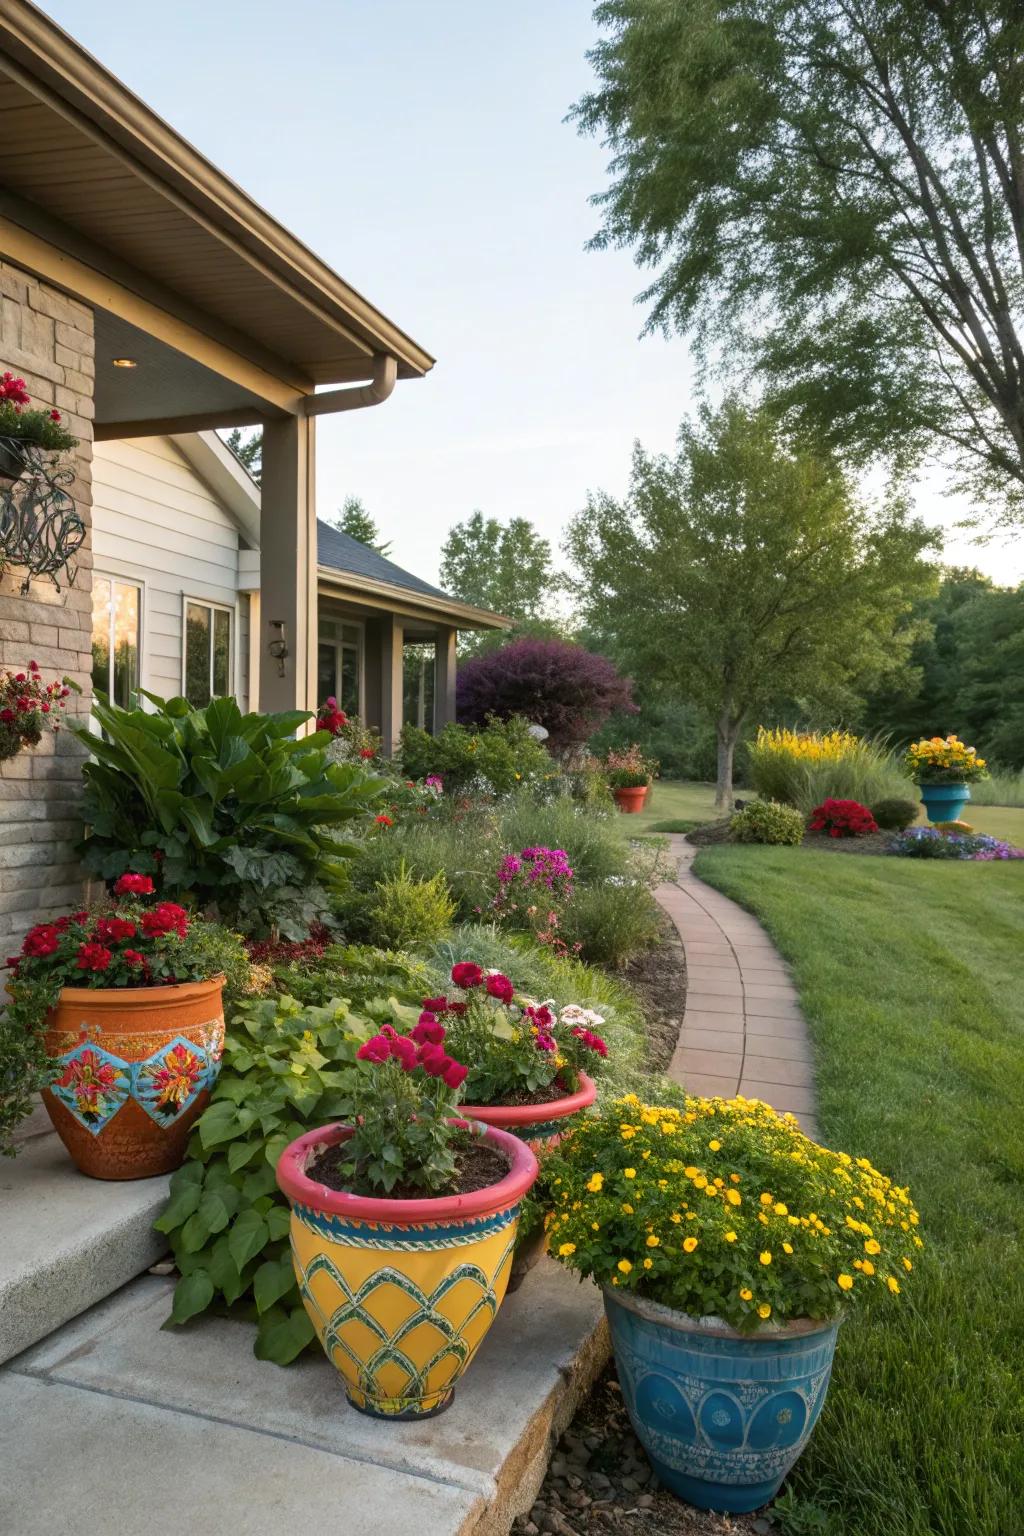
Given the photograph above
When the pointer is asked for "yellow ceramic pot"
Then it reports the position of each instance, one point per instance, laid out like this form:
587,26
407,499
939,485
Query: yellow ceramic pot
402,1292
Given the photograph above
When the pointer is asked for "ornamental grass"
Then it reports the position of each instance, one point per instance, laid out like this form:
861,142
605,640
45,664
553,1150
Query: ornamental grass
726,1209
804,768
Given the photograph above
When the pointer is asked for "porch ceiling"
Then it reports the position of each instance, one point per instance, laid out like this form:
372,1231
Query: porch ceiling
79,150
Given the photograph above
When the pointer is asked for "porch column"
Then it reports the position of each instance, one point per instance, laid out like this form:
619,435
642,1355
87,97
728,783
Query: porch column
444,678
392,640
288,584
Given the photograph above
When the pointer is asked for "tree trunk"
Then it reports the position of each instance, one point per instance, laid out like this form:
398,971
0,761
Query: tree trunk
727,732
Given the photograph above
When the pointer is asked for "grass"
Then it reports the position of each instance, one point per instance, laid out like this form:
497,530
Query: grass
672,801
909,975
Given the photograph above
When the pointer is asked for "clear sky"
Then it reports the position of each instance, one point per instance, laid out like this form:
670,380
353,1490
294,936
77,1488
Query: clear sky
420,149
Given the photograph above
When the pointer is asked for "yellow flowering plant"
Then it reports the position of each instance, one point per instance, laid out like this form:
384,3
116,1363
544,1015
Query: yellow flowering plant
726,1209
944,760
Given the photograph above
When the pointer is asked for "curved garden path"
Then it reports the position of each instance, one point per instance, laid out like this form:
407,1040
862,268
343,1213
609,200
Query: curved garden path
743,1031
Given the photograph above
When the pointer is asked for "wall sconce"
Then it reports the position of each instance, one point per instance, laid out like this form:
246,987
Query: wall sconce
278,648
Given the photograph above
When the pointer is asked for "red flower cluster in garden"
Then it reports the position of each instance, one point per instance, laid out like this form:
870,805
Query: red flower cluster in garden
422,1050
290,952
14,390
591,1041
27,704
842,818
331,718
117,941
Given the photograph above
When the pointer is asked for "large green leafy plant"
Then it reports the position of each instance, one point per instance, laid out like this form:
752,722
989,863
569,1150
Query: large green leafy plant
228,809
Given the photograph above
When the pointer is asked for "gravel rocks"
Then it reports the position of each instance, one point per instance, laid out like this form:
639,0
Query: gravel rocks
600,1483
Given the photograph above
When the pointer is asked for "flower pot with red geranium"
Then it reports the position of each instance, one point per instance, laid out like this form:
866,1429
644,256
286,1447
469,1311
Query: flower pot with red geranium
403,1227
529,1066
842,818
28,707
129,1005
23,429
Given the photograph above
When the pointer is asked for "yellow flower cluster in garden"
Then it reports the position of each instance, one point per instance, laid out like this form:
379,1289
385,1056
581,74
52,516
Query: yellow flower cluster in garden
944,760
726,1209
807,746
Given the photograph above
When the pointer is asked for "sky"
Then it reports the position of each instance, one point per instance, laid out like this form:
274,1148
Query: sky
421,150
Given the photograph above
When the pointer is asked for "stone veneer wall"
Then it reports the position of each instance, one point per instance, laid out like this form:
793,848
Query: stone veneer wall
46,338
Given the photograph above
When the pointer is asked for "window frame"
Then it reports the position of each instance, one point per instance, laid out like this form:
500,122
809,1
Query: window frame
214,605
139,583
333,638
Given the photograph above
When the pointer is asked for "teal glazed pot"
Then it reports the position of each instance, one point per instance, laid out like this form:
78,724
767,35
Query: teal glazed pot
944,802
722,1415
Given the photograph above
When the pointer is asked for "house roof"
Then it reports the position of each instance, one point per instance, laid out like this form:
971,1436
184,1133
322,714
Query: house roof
361,566
89,169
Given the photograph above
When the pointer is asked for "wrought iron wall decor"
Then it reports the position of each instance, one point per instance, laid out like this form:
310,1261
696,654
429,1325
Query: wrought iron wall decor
40,528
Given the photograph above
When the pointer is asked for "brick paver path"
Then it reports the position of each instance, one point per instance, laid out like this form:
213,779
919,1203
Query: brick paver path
743,1031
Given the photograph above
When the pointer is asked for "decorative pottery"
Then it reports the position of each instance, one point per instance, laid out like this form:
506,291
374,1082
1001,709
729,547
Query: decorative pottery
542,1125
134,1069
944,802
401,1292
722,1415
630,801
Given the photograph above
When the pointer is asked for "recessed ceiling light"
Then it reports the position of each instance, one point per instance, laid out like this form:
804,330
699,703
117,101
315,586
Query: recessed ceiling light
124,362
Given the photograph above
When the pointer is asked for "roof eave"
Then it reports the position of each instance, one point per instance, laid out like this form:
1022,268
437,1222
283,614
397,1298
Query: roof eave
52,56
462,615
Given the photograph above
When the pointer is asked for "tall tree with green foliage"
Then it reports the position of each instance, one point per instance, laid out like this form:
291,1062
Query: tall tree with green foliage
354,520
248,450
832,193
743,571
505,567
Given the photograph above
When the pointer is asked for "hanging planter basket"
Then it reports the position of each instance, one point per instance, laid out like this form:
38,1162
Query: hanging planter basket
13,459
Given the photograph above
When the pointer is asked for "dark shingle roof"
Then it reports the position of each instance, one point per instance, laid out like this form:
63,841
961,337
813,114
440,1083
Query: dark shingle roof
342,552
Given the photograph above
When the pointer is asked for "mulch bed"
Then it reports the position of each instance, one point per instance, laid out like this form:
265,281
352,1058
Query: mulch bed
658,976
874,843
477,1166
600,1483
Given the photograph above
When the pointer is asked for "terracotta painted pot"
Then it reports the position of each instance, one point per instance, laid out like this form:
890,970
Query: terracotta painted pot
632,800
401,1292
135,1066
543,1126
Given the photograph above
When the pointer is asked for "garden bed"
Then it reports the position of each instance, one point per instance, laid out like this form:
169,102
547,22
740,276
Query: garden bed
658,977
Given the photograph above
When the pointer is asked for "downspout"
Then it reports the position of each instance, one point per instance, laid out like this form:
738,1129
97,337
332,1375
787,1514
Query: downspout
385,373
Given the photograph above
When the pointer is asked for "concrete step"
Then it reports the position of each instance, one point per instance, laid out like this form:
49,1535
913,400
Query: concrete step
66,1241
270,1450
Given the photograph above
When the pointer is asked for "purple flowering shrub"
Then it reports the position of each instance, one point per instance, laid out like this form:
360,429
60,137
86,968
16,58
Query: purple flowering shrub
566,689
930,843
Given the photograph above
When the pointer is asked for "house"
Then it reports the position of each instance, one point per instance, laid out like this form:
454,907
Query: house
176,595
148,299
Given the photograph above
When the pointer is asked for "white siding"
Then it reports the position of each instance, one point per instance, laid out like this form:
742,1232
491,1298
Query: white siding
156,522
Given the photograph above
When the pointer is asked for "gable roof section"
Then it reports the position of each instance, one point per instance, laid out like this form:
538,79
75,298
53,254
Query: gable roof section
341,552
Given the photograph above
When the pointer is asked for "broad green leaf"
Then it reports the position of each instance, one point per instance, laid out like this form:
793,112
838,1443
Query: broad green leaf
218,1206
274,1279
219,1123
283,1335
242,1152
194,1233
179,1207
248,1234
279,1219
192,1294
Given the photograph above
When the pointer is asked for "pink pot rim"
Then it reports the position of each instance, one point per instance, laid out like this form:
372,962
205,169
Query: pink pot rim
293,1180
535,1114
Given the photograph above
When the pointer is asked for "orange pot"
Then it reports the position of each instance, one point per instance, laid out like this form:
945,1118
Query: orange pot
631,800
134,1069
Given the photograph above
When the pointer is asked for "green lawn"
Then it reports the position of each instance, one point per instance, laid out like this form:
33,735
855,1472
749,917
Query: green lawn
673,800
910,977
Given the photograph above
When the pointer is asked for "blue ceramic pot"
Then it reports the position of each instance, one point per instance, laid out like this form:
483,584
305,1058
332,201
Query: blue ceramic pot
944,802
722,1415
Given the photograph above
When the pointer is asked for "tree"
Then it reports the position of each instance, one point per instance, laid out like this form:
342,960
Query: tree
505,567
569,691
354,520
833,193
989,703
742,571
248,451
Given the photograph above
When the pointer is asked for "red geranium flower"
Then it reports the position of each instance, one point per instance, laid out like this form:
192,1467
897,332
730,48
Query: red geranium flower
41,940
500,987
133,885
467,974
384,821
93,957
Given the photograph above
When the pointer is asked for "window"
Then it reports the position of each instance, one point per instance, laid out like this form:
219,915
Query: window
208,641
339,665
116,609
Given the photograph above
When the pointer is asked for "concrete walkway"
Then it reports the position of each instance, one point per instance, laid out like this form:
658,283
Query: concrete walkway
743,1031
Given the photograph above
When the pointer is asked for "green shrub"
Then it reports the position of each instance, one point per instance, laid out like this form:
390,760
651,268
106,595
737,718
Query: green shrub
611,921
765,821
895,813
223,808
409,912
594,842
496,758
